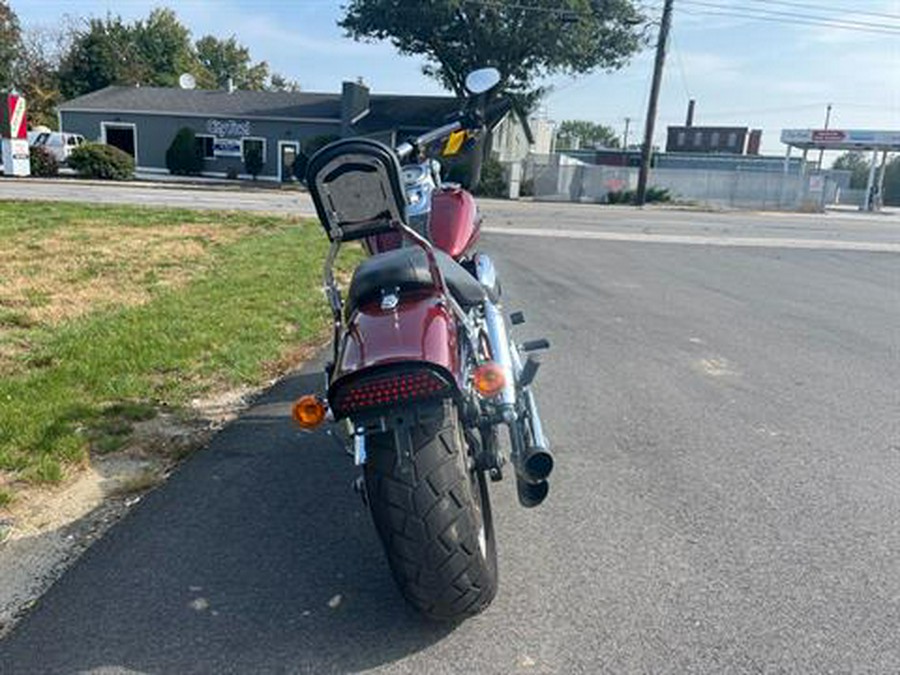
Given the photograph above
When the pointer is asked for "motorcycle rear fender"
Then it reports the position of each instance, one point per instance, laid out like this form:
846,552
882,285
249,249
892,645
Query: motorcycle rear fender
420,329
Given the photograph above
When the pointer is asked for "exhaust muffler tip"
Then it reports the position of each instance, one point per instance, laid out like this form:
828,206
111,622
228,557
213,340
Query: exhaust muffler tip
537,464
531,494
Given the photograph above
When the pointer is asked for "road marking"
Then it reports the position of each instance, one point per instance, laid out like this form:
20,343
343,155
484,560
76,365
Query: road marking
692,240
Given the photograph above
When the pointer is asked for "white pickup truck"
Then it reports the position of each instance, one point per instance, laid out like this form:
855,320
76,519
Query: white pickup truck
59,144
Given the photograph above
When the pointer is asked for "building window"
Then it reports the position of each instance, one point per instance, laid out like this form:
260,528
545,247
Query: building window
698,139
714,139
249,142
681,139
732,139
204,143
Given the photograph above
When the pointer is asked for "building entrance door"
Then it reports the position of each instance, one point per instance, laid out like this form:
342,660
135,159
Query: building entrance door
121,137
288,151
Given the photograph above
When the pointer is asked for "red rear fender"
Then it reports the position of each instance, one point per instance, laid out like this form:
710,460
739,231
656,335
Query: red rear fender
420,329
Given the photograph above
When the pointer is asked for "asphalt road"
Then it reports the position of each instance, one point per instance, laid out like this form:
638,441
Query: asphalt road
726,421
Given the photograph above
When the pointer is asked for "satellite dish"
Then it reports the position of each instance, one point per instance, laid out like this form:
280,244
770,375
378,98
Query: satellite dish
187,81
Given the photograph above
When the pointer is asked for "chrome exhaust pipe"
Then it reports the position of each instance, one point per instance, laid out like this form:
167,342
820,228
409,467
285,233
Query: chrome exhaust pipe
496,329
531,458
537,462
531,494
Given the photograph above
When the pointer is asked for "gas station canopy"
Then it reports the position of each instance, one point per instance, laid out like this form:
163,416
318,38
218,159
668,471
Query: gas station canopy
842,139
876,142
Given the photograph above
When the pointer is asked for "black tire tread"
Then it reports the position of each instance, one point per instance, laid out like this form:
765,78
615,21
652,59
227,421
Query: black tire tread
427,518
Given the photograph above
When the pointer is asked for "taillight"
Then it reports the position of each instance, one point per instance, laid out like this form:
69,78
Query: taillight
388,389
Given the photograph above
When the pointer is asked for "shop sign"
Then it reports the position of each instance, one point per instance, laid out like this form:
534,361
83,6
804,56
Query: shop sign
228,128
227,147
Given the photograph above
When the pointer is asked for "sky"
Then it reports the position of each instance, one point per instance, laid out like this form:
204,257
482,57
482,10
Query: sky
776,72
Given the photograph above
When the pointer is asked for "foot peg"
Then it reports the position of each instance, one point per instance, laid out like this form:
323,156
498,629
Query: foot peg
535,345
529,371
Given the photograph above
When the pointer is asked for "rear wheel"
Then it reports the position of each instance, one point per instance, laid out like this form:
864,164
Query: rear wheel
433,514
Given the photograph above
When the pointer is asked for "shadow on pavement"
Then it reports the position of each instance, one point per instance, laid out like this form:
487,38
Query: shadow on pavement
256,557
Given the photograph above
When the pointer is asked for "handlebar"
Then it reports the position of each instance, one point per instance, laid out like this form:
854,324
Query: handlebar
406,148
474,119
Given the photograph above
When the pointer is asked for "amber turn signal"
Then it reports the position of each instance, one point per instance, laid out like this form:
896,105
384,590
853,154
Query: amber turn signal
309,411
489,379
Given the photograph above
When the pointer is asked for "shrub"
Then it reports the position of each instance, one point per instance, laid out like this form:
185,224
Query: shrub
653,194
620,196
658,194
43,162
97,160
183,156
253,160
493,183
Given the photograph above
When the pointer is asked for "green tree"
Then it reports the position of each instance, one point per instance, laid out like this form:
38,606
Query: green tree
587,134
224,59
101,54
164,46
10,44
856,163
153,51
281,83
37,73
525,41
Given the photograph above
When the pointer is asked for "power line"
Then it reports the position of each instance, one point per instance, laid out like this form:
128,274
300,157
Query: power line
677,51
793,16
801,22
820,8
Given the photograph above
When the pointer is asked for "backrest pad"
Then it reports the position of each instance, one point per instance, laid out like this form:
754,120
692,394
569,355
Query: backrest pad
357,188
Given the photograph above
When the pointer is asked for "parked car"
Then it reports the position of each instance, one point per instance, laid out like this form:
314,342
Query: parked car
59,143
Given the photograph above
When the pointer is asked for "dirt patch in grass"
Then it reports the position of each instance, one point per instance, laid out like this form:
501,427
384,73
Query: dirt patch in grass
51,277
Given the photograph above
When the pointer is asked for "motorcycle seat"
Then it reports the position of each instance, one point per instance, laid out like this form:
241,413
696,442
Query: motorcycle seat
406,269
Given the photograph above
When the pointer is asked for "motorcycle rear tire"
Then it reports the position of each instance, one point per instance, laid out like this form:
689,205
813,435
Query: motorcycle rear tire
433,515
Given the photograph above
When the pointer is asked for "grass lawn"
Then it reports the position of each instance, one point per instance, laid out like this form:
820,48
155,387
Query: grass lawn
108,313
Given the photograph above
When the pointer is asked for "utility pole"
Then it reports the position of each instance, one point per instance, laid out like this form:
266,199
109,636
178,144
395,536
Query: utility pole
647,149
625,136
827,120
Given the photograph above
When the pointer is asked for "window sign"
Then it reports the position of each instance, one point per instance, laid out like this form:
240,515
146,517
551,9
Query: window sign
227,147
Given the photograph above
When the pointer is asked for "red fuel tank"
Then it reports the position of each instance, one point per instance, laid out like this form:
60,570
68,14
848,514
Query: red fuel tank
455,222
455,225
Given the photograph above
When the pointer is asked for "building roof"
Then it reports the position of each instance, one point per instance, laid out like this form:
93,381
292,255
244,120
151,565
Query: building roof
385,111
240,103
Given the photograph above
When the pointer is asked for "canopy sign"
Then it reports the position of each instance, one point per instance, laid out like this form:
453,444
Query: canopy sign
842,139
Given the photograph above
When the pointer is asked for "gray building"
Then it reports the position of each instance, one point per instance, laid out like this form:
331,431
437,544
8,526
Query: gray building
143,121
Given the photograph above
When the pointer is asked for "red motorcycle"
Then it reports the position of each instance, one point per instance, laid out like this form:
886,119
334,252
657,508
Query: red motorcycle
423,371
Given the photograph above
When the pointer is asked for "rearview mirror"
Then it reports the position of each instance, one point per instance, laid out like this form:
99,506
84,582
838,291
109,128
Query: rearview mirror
482,80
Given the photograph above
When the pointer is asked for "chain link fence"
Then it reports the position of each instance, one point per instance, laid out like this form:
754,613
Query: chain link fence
561,178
